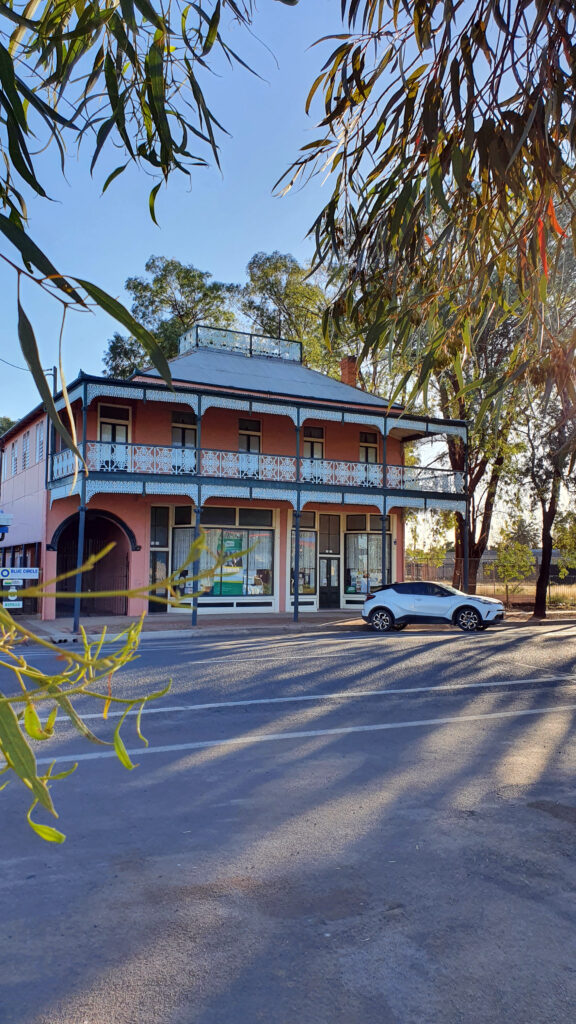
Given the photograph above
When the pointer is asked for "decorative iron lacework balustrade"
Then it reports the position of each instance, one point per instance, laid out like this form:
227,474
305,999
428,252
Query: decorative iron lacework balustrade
139,458
63,464
341,474
159,460
248,465
424,478
240,343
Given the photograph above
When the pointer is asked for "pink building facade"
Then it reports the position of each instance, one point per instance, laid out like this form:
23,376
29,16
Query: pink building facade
295,481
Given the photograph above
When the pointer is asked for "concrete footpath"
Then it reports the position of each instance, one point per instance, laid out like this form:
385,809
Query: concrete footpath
177,625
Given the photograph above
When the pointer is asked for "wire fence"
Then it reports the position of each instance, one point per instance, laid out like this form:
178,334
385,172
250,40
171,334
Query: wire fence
561,590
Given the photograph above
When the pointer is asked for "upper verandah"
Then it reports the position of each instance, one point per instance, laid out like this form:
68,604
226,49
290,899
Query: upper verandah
249,367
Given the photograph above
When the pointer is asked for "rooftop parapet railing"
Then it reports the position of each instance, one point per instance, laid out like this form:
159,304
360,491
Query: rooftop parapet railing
240,343
161,460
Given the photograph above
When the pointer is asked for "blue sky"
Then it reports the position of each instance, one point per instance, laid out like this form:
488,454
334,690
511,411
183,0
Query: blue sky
216,222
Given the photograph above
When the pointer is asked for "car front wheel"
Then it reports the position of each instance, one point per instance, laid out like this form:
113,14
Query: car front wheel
468,619
381,620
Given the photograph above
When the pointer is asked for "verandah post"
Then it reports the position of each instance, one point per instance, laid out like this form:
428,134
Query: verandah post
81,523
465,553
196,566
384,504
296,516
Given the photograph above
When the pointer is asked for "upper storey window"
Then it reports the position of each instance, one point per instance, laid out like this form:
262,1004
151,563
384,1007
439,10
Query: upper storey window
368,447
25,449
40,441
249,435
14,458
183,430
313,445
114,423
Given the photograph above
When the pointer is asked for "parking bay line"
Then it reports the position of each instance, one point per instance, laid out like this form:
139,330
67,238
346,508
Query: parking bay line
341,695
305,734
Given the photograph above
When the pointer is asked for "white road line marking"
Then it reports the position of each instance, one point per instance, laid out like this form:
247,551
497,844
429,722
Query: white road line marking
306,734
341,695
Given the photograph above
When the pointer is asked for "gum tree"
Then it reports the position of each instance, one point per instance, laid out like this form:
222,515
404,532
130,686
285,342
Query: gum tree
171,299
449,132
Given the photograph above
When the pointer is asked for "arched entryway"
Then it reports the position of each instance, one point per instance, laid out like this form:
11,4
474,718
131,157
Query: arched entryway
111,573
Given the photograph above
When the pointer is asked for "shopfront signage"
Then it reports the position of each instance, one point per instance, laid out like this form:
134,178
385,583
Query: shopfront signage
19,574
231,545
12,604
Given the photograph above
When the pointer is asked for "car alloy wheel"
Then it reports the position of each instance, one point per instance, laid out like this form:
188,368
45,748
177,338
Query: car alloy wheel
382,620
469,620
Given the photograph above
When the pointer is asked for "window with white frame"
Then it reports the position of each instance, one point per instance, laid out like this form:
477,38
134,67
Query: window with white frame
40,441
14,458
368,446
114,423
183,430
313,444
25,449
249,435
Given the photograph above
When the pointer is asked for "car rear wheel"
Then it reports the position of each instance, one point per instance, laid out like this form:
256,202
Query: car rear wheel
468,619
381,620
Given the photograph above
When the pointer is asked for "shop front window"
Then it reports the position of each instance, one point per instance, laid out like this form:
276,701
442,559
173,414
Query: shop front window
247,563
307,566
363,564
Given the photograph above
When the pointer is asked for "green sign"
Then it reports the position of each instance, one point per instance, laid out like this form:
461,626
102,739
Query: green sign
231,545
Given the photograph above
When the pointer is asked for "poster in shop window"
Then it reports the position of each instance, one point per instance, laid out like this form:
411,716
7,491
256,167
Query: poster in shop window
232,579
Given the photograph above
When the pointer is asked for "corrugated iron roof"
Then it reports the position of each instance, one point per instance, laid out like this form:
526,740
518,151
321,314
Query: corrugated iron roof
215,368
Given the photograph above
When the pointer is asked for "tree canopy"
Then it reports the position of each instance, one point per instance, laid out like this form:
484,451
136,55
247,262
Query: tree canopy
449,132
172,299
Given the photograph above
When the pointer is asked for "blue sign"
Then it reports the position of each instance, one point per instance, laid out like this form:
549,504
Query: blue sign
19,574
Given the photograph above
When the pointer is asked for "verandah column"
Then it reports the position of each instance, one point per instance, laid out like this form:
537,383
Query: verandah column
466,563
197,512
384,553
81,523
296,519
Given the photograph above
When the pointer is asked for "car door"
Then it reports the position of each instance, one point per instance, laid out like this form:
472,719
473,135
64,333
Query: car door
401,598
435,603
422,605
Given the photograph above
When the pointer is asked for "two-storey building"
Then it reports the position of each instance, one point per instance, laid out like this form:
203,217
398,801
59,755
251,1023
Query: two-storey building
297,481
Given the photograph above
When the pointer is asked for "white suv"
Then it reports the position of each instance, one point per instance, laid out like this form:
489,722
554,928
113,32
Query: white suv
398,604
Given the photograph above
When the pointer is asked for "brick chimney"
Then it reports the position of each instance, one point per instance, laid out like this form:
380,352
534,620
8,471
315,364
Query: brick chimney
349,371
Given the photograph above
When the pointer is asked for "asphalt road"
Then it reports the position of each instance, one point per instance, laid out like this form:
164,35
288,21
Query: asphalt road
324,829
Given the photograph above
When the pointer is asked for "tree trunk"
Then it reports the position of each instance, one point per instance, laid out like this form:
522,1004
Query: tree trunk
548,517
476,545
458,574
544,574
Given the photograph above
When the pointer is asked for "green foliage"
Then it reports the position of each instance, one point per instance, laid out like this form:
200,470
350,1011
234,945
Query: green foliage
522,531
84,679
433,551
172,299
123,356
109,77
5,424
565,541
514,561
448,131
282,299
